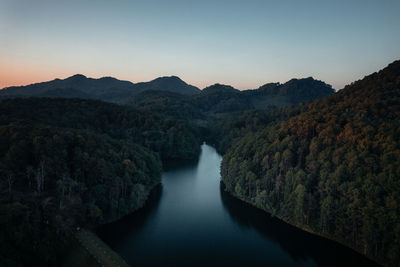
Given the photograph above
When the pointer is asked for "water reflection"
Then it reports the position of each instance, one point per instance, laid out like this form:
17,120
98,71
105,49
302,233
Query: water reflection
300,245
191,221
128,226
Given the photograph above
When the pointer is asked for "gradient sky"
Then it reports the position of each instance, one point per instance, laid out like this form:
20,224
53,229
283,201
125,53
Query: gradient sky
241,43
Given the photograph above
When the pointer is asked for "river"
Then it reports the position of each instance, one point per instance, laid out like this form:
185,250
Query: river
189,220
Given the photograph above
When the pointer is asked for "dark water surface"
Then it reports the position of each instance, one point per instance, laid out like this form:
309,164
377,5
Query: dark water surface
190,220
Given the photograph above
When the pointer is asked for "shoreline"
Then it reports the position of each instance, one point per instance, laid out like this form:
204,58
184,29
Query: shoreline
99,243
103,246
91,244
98,250
304,228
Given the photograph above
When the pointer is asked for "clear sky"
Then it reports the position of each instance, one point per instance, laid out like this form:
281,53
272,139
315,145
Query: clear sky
241,43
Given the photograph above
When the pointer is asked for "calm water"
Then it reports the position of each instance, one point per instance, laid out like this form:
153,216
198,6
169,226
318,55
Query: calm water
190,220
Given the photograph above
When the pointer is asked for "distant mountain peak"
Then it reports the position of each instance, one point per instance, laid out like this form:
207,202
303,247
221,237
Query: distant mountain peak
77,76
105,88
298,87
168,83
172,78
107,78
304,80
218,87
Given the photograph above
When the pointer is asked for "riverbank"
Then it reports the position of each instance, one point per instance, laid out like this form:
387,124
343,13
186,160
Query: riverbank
192,221
102,253
87,249
306,229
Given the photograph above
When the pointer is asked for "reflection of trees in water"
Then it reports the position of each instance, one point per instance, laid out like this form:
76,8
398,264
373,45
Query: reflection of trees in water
124,228
181,163
299,244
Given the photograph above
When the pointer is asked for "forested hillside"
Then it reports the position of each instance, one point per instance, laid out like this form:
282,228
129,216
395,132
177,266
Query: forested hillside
333,169
292,92
167,84
225,131
173,139
68,162
167,103
55,180
71,163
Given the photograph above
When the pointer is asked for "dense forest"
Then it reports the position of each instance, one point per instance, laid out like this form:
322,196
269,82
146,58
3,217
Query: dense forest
330,166
167,103
56,180
224,132
68,163
333,168
171,138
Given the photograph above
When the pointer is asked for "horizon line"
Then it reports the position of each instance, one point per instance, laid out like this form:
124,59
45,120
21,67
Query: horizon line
166,76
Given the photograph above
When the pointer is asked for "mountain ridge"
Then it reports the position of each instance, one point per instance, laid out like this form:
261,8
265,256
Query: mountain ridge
216,98
105,88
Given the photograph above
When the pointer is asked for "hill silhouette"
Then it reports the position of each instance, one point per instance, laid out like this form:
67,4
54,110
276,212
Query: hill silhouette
107,88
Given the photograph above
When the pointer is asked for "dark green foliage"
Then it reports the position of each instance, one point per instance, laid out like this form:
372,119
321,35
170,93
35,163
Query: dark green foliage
54,180
166,103
67,163
292,92
223,113
173,139
334,168
226,131
220,98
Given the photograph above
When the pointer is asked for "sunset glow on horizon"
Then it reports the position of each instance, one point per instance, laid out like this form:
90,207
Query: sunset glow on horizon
202,42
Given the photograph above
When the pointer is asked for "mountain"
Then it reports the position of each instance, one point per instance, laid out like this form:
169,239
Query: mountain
167,103
292,92
217,98
174,97
220,98
107,88
171,84
219,89
333,168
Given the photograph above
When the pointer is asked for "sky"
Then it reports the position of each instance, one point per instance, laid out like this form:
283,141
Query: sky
241,43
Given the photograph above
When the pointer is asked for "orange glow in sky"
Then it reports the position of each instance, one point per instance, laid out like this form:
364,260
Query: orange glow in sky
244,43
